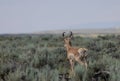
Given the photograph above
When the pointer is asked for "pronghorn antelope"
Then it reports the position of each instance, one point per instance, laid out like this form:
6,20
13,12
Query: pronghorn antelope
74,54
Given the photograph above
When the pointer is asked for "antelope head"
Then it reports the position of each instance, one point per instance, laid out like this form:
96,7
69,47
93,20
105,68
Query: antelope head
67,39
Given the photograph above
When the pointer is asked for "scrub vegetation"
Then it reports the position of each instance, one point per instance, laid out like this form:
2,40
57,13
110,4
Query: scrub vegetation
43,58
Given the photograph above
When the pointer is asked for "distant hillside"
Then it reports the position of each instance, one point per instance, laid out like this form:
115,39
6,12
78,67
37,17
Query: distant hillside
115,30
93,32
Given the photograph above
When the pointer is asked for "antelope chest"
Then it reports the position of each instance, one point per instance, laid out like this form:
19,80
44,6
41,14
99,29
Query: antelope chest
71,56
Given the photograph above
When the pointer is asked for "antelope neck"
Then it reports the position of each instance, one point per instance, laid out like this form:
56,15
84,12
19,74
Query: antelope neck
68,47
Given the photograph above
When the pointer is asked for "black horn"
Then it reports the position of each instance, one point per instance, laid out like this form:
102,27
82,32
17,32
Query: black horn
63,34
71,34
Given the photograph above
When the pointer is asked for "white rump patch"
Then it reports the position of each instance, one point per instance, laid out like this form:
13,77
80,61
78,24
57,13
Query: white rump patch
82,51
